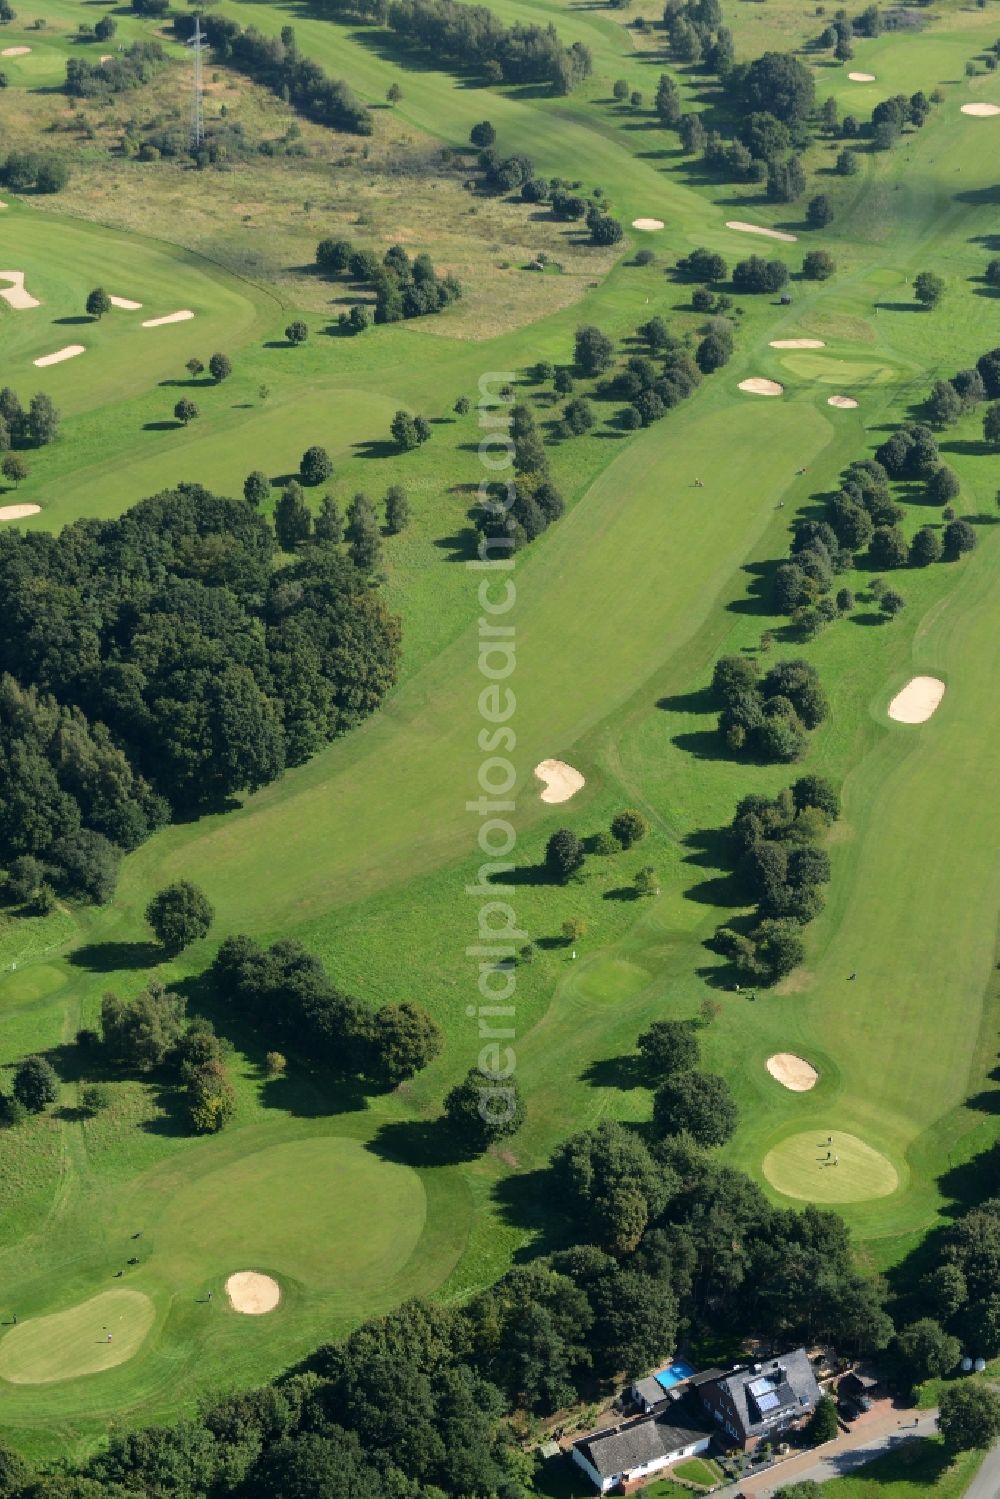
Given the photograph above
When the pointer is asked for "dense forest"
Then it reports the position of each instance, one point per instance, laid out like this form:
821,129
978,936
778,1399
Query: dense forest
158,663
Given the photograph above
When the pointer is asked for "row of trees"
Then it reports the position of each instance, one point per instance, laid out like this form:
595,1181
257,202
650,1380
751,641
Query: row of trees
777,854
26,171
472,36
295,525
286,995
769,715
122,72
150,1034
863,516
652,388
157,662
278,65
404,288
518,510
31,428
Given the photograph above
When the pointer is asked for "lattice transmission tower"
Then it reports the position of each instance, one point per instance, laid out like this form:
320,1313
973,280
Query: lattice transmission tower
197,44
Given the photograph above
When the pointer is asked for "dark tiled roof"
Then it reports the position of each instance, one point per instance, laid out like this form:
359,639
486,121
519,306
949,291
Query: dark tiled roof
638,1442
778,1388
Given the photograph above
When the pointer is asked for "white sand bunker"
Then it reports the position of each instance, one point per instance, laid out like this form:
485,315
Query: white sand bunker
759,229
797,343
125,304
69,352
18,512
981,111
758,387
861,77
647,223
842,403
16,294
106,56
171,317
560,780
792,1072
917,701
15,52
252,1293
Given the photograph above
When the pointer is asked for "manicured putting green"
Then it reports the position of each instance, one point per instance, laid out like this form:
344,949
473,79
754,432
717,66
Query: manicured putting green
830,371
326,1212
611,979
65,1345
798,1167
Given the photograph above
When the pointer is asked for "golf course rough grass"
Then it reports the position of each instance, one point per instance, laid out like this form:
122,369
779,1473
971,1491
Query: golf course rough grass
71,1343
802,1166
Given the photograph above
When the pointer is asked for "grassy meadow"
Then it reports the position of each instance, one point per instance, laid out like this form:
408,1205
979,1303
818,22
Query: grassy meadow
622,608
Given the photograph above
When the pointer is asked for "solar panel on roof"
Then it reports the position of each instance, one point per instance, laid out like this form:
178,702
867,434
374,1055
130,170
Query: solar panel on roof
768,1402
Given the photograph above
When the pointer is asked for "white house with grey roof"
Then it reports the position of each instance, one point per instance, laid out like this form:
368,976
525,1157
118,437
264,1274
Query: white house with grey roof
619,1457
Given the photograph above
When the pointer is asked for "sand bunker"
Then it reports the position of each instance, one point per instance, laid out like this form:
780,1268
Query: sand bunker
917,701
69,352
981,111
561,781
792,1072
18,512
797,343
15,52
647,223
759,229
171,317
842,403
106,57
125,304
758,387
16,294
252,1293
861,77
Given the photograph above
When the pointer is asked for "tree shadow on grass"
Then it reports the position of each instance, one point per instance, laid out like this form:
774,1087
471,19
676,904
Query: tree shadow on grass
162,426
704,744
420,1143
700,701
530,874
375,448
868,618
760,590
307,1094
621,892
112,957
71,322
968,447
462,546
172,1119
525,1200
624,1073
